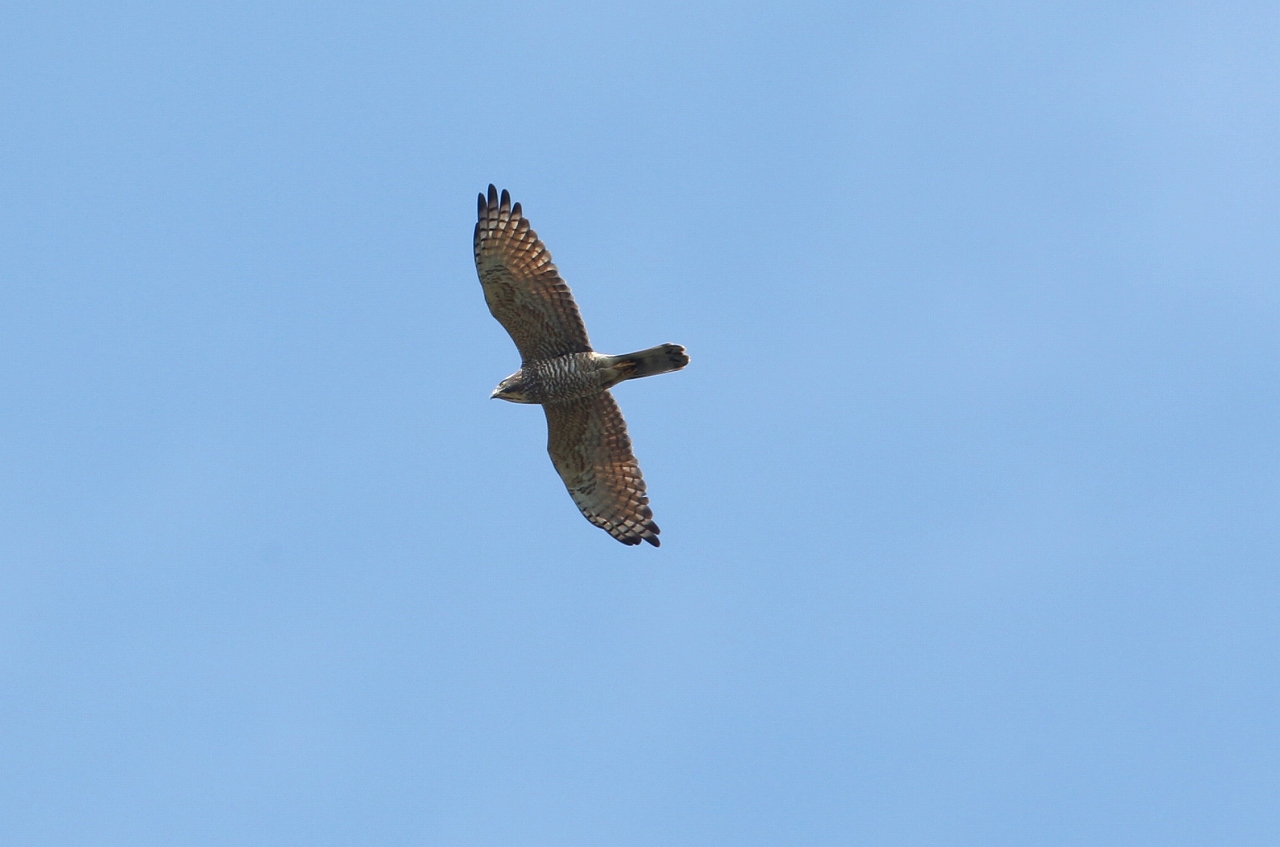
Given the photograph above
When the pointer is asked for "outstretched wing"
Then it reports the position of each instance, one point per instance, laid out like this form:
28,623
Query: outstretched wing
588,443
522,286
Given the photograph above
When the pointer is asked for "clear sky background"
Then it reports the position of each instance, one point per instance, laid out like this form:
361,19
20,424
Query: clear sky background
970,496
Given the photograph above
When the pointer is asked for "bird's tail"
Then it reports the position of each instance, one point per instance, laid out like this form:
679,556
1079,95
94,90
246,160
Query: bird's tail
655,360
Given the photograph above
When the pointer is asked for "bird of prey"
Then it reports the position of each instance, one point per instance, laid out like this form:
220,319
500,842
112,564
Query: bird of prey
586,435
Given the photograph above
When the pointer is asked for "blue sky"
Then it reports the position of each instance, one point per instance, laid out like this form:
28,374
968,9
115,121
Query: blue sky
970,498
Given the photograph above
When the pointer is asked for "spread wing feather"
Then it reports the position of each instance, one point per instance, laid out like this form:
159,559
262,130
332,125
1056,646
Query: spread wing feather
589,445
521,284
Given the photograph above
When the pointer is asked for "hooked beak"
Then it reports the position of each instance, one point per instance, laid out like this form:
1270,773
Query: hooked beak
494,395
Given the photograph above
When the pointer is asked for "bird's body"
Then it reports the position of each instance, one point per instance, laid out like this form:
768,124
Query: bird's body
586,435
576,375
558,379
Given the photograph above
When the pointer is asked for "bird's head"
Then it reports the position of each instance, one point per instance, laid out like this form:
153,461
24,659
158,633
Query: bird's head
512,389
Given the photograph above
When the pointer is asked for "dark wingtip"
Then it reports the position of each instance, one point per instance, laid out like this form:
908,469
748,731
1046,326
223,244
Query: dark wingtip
515,211
480,210
505,202
493,195
653,539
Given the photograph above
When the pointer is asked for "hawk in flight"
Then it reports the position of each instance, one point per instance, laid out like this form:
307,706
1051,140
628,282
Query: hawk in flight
586,435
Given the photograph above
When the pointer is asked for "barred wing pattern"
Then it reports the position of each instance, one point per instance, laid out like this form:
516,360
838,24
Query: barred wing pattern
589,446
522,286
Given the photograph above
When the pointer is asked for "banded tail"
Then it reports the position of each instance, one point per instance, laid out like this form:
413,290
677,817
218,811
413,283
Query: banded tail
656,360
